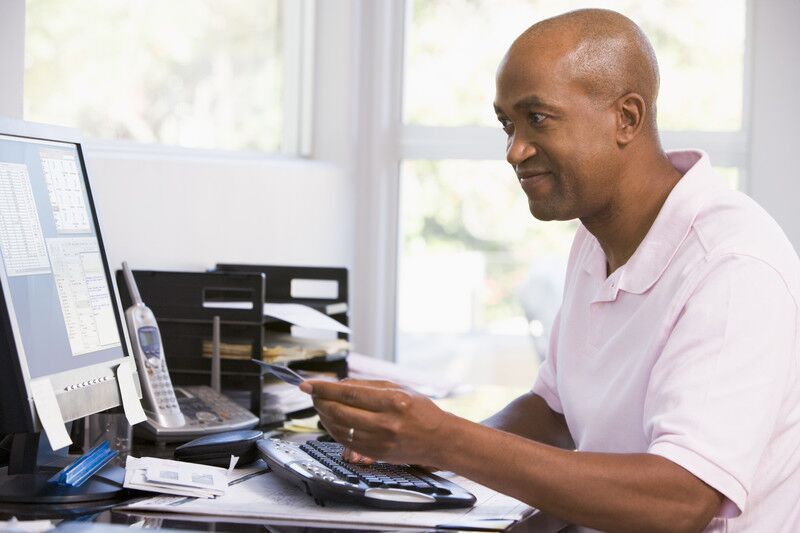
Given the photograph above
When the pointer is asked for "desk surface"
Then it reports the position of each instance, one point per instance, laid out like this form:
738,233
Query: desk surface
106,520
481,402
476,405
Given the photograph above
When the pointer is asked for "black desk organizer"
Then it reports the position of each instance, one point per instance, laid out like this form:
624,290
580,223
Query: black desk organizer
278,289
185,304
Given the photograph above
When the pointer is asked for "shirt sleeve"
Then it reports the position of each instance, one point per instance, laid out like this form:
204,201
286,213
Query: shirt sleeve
714,394
545,384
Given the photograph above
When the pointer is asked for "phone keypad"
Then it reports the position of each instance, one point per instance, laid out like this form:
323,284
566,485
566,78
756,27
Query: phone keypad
206,408
162,390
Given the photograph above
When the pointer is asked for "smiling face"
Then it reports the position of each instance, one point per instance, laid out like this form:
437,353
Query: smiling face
561,139
573,92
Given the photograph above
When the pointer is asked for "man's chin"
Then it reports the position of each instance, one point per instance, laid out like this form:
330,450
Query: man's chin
547,211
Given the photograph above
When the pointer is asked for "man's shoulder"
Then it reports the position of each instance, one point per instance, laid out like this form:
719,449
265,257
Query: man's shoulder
731,224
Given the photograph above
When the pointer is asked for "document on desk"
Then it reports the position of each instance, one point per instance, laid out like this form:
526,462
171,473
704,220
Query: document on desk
266,496
175,477
304,316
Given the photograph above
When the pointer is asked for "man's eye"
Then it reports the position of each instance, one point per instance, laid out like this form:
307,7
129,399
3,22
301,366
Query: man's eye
507,126
537,118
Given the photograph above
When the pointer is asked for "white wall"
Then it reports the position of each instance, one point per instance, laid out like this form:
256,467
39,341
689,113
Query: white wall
775,112
182,214
12,57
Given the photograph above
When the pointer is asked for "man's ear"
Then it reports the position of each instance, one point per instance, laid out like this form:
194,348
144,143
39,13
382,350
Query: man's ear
631,111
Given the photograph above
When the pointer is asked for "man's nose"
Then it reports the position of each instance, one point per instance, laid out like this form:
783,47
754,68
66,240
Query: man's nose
519,149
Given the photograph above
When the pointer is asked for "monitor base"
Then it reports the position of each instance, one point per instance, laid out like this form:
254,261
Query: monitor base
35,488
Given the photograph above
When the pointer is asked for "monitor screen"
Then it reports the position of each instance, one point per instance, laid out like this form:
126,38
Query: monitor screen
52,267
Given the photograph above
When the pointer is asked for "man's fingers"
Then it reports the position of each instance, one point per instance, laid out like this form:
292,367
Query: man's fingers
346,415
352,456
376,383
361,396
338,418
362,438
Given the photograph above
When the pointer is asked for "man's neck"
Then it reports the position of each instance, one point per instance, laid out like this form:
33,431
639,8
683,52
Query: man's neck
623,226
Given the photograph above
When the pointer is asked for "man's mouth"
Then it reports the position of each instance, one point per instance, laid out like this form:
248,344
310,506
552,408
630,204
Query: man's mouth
530,178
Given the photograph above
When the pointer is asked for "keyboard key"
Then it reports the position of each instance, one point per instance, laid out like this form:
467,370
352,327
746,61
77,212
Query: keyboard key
384,475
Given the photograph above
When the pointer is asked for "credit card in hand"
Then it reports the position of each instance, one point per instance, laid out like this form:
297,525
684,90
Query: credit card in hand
281,372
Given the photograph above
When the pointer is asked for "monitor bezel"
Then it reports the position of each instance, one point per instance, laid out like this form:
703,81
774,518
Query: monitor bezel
87,399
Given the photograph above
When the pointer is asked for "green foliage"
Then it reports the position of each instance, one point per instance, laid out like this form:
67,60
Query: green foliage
196,73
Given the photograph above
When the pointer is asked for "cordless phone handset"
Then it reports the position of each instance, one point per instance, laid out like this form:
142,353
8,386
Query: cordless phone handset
162,406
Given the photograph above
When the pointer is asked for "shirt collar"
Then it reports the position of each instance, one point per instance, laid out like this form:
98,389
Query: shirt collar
668,231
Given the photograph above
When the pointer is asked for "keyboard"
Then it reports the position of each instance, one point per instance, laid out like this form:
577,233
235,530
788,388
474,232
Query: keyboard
318,469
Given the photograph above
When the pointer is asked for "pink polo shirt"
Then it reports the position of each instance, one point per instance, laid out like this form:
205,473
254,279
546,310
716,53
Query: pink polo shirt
690,350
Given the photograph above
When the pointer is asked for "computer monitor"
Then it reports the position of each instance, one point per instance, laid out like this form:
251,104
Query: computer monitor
59,318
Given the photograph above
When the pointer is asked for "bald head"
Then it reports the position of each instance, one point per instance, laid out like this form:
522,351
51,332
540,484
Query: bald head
602,51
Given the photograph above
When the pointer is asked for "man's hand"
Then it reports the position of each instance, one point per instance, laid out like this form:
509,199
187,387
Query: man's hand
388,422
352,456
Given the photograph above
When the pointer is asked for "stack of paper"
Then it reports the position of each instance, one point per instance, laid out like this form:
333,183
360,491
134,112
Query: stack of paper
281,398
175,477
302,425
280,347
265,496
304,317
433,386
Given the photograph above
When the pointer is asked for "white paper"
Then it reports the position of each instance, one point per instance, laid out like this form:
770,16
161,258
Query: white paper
185,477
175,477
234,461
431,385
44,397
27,526
127,390
304,316
267,496
135,479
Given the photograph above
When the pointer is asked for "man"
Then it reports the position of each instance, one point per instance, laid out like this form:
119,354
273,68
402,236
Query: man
673,365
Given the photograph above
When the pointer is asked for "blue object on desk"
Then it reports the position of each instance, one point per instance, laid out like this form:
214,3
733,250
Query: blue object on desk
76,474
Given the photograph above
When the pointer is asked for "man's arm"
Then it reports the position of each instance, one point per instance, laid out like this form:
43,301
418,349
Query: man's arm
618,492
530,417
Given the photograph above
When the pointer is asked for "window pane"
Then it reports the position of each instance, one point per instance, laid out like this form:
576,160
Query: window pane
480,278
700,49
193,73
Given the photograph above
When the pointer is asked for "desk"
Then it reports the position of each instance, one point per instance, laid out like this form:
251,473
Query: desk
481,402
536,524
475,405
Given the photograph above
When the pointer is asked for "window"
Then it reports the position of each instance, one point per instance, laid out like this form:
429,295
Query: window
480,280
700,49
193,73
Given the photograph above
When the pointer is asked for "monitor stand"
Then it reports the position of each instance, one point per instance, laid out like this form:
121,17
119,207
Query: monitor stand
26,482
